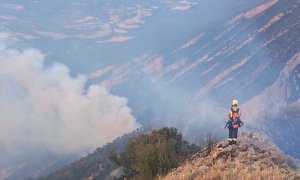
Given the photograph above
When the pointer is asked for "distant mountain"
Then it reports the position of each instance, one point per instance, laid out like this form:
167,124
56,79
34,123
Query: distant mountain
254,157
250,54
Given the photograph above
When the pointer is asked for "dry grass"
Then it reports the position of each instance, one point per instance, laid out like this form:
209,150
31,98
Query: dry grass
255,158
229,171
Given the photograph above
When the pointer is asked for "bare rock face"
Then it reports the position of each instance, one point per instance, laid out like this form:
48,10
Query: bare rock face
254,157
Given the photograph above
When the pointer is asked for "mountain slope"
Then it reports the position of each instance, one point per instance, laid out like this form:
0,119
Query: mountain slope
255,157
96,165
276,110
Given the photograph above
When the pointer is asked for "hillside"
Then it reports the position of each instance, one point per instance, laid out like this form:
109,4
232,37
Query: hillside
95,165
132,153
255,157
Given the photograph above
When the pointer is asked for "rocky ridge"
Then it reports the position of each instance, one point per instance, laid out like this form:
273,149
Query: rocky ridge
254,157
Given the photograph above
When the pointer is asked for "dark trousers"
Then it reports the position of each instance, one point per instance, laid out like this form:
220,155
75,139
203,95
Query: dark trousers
232,138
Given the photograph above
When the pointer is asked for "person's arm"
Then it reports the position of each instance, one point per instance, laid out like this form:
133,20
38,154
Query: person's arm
229,114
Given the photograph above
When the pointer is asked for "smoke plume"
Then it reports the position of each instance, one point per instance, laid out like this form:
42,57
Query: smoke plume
46,106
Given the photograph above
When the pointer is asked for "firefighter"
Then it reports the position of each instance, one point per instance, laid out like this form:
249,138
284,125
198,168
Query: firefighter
234,122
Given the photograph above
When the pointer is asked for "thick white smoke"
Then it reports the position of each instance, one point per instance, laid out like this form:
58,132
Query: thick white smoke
45,106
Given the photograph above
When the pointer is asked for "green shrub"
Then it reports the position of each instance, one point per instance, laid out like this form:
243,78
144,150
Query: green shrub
154,153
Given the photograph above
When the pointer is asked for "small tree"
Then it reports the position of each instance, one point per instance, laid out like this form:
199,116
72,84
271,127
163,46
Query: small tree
155,153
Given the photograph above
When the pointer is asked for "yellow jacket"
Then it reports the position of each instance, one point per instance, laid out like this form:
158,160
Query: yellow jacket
234,113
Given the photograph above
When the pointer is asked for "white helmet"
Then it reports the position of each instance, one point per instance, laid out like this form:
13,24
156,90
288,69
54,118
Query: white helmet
234,102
